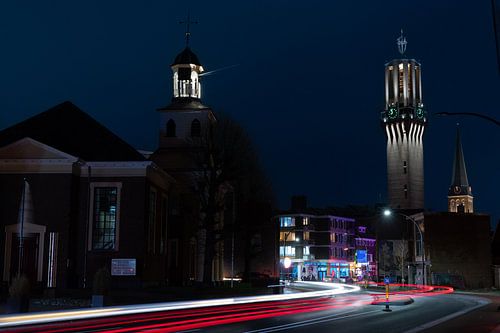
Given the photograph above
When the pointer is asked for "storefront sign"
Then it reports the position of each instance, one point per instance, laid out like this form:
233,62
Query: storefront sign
123,267
361,256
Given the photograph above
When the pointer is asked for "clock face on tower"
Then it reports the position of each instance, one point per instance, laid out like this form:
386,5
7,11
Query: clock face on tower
419,113
392,113
456,189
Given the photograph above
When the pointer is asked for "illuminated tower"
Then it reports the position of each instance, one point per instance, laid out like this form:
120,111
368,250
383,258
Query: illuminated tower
460,199
186,121
404,119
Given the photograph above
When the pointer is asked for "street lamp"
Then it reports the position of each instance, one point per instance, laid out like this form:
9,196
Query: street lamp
475,114
388,212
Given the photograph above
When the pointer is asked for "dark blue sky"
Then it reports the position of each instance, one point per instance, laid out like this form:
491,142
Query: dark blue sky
308,87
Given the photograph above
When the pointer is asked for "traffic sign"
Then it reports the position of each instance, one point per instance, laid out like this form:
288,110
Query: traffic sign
387,280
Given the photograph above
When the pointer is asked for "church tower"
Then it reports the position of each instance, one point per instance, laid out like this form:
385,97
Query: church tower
404,120
185,121
460,199
185,133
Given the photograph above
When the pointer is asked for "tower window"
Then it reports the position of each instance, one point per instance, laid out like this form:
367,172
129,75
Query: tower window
196,128
406,191
404,167
184,73
171,128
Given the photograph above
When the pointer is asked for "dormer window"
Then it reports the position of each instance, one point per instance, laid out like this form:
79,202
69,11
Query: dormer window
170,130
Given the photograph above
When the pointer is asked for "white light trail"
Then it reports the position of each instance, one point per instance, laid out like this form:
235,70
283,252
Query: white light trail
328,289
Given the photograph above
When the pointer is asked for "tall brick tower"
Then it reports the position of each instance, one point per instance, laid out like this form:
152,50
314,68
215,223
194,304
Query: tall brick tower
404,120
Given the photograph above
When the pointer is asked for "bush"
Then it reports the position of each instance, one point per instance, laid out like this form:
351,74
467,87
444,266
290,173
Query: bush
19,287
101,282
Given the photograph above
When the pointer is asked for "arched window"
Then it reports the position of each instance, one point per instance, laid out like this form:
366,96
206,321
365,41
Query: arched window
196,128
171,128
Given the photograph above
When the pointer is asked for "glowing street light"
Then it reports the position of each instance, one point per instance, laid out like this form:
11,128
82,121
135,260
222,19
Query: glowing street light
388,212
287,262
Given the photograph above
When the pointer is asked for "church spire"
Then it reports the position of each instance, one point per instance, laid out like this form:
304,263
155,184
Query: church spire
459,177
460,198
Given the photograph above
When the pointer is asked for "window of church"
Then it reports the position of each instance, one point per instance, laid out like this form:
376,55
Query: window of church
152,222
196,128
104,222
170,130
163,225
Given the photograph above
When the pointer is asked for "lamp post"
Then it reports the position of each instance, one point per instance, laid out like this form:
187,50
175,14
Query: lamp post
475,114
388,212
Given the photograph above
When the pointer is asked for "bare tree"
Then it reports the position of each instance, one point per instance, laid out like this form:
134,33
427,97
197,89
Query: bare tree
400,251
226,162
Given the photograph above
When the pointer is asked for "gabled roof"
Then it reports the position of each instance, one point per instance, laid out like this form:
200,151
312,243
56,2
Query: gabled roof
70,130
27,148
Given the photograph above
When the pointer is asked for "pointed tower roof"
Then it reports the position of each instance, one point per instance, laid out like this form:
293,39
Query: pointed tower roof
186,57
459,176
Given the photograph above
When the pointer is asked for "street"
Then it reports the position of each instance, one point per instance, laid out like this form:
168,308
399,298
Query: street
352,312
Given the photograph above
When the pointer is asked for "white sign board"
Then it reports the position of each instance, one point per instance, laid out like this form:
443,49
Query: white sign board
123,267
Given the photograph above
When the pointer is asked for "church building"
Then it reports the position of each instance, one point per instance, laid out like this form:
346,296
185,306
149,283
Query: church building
460,198
76,198
185,134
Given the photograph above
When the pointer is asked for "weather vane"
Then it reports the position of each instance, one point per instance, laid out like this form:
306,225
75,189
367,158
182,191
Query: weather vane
188,23
402,43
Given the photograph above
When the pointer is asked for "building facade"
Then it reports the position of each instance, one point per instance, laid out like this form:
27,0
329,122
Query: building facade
324,247
404,120
459,247
77,198
185,134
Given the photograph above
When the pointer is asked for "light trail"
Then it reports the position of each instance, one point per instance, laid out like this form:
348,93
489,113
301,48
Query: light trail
178,314
44,318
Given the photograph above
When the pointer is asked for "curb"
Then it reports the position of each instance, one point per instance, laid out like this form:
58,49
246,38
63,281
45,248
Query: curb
406,301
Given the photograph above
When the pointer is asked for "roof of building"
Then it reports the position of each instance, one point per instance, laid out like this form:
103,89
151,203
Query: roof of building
459,176
185,104
186,57
69,129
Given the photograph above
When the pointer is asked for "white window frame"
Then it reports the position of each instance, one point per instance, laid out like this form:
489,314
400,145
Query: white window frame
93,186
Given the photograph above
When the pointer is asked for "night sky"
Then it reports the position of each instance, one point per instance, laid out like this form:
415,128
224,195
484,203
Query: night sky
308,87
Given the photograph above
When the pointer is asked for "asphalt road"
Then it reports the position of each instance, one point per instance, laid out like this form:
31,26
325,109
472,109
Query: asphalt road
343,313
426,314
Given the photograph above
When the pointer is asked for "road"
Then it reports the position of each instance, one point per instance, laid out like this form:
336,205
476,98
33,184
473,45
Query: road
429,313
425,313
